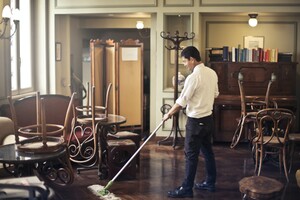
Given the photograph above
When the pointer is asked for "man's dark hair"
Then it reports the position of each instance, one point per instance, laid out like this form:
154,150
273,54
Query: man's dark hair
191,51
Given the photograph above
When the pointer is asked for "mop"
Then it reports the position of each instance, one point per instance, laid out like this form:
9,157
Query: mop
103,192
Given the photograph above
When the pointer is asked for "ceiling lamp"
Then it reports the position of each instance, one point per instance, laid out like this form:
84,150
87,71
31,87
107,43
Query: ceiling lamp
139,24
252,21
7,14
144,33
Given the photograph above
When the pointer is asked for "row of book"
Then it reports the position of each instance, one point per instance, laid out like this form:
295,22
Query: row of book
248,55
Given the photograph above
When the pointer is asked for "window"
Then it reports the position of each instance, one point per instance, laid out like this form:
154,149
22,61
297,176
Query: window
21,48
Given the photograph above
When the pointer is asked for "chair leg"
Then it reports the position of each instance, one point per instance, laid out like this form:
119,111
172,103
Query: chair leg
280,160
244,197
238,132
291,155
260,160
256,157
284,164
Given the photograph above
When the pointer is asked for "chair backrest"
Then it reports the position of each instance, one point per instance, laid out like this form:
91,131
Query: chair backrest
91,114
267,97
275,123
262,104
52,109
107,99
242,94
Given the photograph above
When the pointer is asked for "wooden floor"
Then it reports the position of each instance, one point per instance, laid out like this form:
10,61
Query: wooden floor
161,169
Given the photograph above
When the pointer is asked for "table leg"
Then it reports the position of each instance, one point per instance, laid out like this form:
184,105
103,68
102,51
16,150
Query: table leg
102,146
57,172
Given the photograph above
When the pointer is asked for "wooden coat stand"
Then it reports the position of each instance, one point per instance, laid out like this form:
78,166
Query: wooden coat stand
176,40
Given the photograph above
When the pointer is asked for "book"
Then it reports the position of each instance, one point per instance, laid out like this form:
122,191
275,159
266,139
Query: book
233,51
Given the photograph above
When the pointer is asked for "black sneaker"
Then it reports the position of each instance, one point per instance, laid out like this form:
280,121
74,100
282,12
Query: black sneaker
205,186
180,192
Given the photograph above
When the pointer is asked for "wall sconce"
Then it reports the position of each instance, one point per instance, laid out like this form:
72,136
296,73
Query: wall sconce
7,14
139,24
252,21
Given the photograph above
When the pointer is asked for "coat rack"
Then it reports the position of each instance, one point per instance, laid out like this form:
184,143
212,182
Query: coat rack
176,40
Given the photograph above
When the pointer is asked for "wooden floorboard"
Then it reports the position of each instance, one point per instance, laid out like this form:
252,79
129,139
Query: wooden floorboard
161,169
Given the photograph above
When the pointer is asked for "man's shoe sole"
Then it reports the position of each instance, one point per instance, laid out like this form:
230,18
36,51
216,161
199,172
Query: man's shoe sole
180,196
199,187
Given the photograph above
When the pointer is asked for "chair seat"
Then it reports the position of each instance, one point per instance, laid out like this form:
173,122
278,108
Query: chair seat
294,136
272,141
36,145
260,187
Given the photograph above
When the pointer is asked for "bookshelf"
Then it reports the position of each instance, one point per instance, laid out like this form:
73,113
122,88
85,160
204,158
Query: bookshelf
238,54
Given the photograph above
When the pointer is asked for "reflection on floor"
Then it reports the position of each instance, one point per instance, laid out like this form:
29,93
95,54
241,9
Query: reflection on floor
161,169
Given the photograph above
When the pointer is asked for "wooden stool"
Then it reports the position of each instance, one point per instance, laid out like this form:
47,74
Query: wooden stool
119,152
260,187
136,138
293,138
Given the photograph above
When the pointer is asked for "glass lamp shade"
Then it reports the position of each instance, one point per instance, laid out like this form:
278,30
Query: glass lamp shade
6,12
139,25
16,15
252,22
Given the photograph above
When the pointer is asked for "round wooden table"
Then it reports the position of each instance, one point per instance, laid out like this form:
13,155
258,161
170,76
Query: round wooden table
54,167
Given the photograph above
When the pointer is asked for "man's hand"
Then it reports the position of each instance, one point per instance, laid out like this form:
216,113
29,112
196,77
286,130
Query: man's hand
166,117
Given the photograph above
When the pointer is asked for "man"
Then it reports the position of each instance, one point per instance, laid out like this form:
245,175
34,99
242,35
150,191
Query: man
198,94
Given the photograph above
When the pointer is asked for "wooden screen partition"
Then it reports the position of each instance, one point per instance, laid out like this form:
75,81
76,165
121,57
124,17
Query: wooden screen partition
111,74
119,63
97,48
130,64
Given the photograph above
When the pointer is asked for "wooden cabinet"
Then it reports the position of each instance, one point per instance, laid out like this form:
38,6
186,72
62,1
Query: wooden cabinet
256,78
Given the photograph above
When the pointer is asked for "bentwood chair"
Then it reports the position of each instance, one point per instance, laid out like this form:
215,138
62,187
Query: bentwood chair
50,135
44,145
82,142
249,109
273,127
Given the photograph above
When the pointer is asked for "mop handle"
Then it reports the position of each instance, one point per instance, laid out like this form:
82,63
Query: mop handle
137,151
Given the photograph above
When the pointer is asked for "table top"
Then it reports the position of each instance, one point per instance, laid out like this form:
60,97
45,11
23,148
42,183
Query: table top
10,154
113,119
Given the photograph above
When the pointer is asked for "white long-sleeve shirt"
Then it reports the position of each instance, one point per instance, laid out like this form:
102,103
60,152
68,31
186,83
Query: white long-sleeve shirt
199,91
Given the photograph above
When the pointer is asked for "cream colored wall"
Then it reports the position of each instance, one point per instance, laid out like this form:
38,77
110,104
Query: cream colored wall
230,31
231,14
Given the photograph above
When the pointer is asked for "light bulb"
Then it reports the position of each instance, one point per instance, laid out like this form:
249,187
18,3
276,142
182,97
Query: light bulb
139,24
16,14
6,12
252,22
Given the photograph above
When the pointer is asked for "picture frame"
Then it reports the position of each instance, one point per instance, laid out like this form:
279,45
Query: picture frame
253,42
58,51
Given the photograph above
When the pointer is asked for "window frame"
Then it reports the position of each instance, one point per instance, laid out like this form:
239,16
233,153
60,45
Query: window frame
16,57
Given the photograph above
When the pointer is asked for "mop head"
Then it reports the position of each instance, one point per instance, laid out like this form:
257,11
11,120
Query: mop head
101,192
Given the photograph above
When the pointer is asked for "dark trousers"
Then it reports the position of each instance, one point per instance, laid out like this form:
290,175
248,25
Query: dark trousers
198,138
